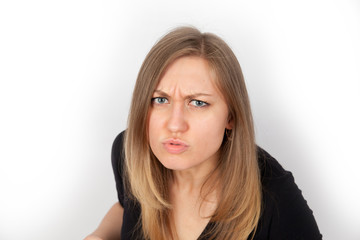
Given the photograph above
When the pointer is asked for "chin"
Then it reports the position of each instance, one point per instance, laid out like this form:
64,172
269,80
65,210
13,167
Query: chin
175,165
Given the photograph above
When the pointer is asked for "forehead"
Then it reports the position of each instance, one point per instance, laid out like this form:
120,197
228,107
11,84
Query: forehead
190,73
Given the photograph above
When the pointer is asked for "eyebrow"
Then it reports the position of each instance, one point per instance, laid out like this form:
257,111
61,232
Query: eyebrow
194,95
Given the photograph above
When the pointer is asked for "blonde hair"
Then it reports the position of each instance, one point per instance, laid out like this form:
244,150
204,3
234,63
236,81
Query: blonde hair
239,203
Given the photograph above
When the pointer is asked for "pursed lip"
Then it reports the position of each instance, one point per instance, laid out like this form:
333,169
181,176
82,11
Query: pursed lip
175,146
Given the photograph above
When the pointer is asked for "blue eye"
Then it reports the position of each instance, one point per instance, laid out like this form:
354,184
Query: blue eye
159,100
198,103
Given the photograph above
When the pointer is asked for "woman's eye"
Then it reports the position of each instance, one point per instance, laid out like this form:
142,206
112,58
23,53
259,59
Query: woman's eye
198,103
159,100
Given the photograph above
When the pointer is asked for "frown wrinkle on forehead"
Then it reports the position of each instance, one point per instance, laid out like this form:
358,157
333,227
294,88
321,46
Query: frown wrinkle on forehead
188,76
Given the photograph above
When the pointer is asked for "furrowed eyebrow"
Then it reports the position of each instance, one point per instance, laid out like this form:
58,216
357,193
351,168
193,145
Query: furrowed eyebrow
191,96
161,93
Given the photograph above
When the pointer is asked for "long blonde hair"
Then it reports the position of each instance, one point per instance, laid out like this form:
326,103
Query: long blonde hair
239,203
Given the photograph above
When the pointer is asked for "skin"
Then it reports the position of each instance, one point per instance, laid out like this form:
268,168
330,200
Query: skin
187,107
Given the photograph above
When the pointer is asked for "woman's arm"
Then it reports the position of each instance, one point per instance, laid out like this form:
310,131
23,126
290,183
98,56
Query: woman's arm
110,226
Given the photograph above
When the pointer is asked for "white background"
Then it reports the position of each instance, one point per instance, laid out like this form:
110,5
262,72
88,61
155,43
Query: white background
67,70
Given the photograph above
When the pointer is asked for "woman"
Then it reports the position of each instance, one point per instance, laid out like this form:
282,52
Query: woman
188,167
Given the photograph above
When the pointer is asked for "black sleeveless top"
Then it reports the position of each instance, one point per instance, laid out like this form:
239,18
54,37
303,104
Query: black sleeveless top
285,213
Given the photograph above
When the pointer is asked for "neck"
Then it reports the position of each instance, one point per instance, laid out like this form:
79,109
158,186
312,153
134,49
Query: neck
192,181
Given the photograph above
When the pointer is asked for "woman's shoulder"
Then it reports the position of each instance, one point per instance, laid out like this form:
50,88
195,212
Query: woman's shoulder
117,153
118,143
117,158
270,168
285,213
277,183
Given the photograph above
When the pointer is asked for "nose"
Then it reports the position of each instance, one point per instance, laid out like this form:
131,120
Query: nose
177,122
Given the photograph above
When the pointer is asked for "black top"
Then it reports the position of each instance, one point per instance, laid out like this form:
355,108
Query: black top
285,213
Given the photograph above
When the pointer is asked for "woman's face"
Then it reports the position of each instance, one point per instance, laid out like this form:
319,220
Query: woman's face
188,116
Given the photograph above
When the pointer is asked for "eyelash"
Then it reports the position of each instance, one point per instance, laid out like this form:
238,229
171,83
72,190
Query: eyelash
203,103
154,100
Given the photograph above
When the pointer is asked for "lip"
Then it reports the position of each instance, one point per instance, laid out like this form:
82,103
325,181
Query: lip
175,146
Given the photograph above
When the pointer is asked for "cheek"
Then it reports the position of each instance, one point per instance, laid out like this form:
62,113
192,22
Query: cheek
210,131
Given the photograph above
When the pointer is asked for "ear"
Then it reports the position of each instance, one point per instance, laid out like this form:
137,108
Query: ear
230,123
